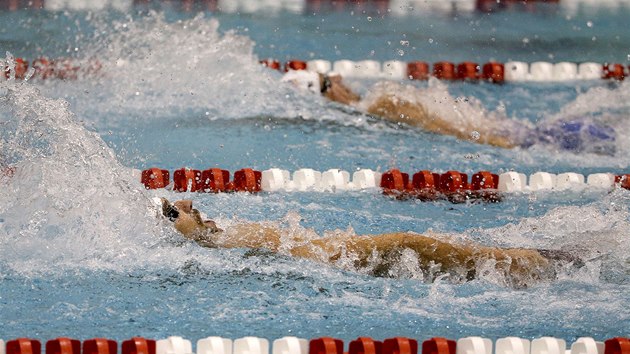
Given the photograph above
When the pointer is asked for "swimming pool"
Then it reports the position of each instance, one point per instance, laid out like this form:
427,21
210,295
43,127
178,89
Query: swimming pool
83,256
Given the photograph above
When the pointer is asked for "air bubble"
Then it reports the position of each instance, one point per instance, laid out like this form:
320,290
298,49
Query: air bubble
475,135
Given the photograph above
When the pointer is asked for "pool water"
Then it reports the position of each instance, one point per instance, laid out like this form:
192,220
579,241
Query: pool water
83,255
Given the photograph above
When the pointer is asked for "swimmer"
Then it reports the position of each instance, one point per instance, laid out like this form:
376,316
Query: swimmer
398,103
188,221
377,254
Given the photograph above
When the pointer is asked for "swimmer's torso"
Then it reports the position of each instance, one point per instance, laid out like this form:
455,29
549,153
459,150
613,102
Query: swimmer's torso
376,254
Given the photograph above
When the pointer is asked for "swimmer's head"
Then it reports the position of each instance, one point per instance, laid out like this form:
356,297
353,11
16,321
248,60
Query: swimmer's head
169,210
184,205
304,80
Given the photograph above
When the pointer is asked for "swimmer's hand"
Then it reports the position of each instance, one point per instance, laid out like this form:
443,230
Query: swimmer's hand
562,257
212,226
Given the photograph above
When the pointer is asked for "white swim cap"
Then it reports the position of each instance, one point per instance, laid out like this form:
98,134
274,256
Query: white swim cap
303,79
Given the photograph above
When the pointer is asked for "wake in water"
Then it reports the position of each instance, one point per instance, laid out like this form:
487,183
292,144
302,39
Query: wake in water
69,201
520,260
382,255
154,68
434,110
66,199
606,105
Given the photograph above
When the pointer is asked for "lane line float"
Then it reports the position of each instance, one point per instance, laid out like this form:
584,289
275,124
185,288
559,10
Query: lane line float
492,71
322,345
425,185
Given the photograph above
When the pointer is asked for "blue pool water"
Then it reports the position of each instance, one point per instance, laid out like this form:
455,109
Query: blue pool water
83,255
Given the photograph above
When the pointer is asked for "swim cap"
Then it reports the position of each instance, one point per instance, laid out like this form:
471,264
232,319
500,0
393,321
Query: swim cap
303,79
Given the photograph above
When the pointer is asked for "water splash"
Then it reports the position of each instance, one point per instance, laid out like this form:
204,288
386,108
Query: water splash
607,105
155,67
465,114
155,70
596,232
67,201
70,203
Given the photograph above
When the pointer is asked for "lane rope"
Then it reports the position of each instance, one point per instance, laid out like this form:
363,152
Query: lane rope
425,185
323,345
493,71
382,7
514,71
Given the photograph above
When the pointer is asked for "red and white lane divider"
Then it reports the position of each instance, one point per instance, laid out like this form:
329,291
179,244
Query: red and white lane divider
87,5
241,6
513,71
390,7
324,345
44,68
424,185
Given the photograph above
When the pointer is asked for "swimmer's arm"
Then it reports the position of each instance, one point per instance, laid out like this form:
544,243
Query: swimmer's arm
393,109
328,249
250,236
428,249
338,92
517,264
258,236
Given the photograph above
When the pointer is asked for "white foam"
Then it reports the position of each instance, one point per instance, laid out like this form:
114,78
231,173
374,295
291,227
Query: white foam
593,231
186,65
463,114
70,203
